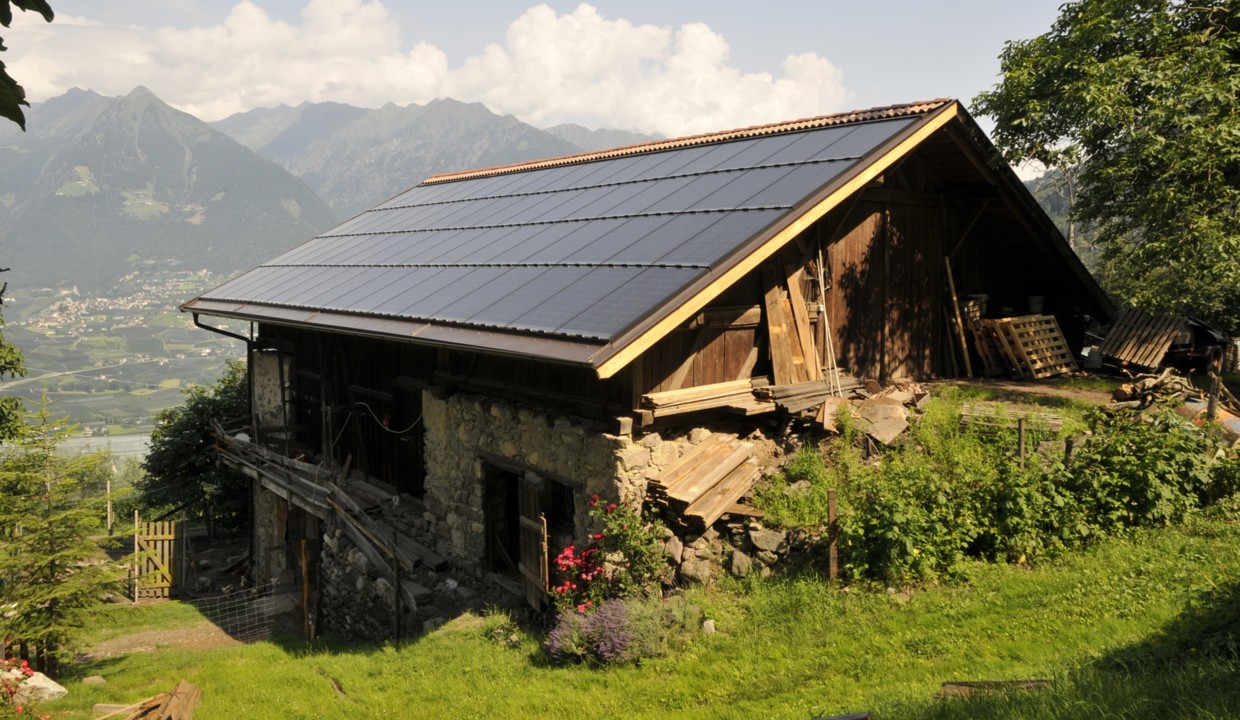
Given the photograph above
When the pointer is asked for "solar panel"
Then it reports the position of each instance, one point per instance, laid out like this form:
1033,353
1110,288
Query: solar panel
582,250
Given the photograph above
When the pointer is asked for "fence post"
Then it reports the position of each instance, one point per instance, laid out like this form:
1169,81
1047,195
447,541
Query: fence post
305,591
137,534
1020,441
833,559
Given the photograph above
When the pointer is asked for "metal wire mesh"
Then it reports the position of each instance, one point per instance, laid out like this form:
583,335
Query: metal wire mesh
246,615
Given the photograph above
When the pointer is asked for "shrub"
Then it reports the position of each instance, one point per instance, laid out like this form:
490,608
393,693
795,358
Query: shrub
621,631
624,559
13,673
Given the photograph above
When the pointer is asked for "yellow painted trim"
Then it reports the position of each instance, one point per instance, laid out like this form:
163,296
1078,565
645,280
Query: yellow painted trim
646,340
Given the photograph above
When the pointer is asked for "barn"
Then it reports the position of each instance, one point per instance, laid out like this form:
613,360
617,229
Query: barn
448,376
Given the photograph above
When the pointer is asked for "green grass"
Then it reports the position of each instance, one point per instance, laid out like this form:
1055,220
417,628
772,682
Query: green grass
792,647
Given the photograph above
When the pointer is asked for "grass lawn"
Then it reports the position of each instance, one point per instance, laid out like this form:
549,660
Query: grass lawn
1101,624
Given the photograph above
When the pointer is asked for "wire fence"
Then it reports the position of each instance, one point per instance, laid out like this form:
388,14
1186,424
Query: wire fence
247,615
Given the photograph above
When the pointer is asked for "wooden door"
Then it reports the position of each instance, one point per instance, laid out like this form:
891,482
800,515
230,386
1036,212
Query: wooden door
533,541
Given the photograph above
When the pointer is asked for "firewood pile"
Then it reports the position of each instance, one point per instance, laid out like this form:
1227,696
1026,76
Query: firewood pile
1145,390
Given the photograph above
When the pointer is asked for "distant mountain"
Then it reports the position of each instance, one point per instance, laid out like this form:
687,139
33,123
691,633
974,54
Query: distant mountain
355,158
603,139
100,185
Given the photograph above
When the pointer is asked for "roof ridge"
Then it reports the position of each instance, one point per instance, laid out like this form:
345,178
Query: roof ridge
842,118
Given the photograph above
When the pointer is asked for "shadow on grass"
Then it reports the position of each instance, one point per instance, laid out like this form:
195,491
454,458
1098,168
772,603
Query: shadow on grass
1188,669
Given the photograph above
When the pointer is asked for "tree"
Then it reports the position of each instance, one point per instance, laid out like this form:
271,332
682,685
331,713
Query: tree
12,364
181,466
12,96
1143,94
52,569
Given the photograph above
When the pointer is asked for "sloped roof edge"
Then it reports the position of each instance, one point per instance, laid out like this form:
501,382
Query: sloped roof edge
854,116
613,357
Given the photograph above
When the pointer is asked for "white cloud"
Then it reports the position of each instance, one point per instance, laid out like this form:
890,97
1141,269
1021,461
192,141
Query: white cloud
578,66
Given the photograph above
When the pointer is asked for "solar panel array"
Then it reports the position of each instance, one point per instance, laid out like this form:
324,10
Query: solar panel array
580,251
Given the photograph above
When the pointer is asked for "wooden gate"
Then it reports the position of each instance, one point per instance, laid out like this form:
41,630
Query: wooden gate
158,552
533,563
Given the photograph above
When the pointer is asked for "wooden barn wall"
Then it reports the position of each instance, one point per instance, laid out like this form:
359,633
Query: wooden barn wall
886,276
693,356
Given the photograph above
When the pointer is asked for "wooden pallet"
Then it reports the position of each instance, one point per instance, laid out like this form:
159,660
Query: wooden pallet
1140,340
1034,345
706,483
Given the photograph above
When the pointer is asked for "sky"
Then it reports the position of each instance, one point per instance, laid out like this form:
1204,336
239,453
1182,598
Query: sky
672,67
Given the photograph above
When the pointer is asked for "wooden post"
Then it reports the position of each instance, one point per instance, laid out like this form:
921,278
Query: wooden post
111,520
1020,441
395,588
833,559
305,591
964,348
136,536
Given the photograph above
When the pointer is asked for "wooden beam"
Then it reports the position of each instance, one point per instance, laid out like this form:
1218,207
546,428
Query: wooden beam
644,341
813,365
782,366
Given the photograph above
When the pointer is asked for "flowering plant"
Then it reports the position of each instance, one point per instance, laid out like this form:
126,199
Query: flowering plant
625,558
13,673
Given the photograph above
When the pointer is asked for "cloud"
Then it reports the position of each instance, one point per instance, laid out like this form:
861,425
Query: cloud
579,66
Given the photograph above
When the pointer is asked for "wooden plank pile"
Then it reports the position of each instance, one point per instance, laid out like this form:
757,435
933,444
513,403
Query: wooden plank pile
735,396
1145,390
1140,340
1031,346
177,704
707,482
794,354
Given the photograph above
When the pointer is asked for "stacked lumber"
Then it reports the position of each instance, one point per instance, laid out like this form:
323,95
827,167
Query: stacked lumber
1032,345
177,704
794,351
707,482
995,416
298,482
799,397
1140,340
735,396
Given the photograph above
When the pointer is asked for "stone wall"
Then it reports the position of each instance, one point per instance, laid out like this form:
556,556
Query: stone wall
267,394
462,430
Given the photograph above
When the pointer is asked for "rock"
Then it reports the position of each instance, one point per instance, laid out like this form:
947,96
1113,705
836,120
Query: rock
768,540
708,627
94,680
741,564
883,418
433,624
466,593
651,440
674,548
704,553
39,689
768,558
697,435
798,488
696,571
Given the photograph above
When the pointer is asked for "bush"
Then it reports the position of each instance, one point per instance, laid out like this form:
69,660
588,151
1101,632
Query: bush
952,494
621,631
624,559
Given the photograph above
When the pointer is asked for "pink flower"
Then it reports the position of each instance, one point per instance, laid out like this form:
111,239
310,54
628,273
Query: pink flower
611,508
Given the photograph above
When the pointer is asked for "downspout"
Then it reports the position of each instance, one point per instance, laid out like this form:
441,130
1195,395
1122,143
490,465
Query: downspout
249,411
249,367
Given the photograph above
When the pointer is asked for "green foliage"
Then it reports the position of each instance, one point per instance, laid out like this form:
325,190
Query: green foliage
12,96
623,631
50,569
181,466
952,494
1140,96
624,559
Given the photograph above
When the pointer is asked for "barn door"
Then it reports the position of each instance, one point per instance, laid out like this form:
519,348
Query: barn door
533,533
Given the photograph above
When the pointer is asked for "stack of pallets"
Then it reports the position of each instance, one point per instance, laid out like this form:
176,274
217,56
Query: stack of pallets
1031,347
706,483
1141,341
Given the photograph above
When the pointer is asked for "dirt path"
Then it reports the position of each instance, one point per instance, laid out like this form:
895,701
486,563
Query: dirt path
1016,389
204,636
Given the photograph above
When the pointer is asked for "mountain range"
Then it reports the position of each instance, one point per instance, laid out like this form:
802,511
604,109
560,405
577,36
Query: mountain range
100,185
